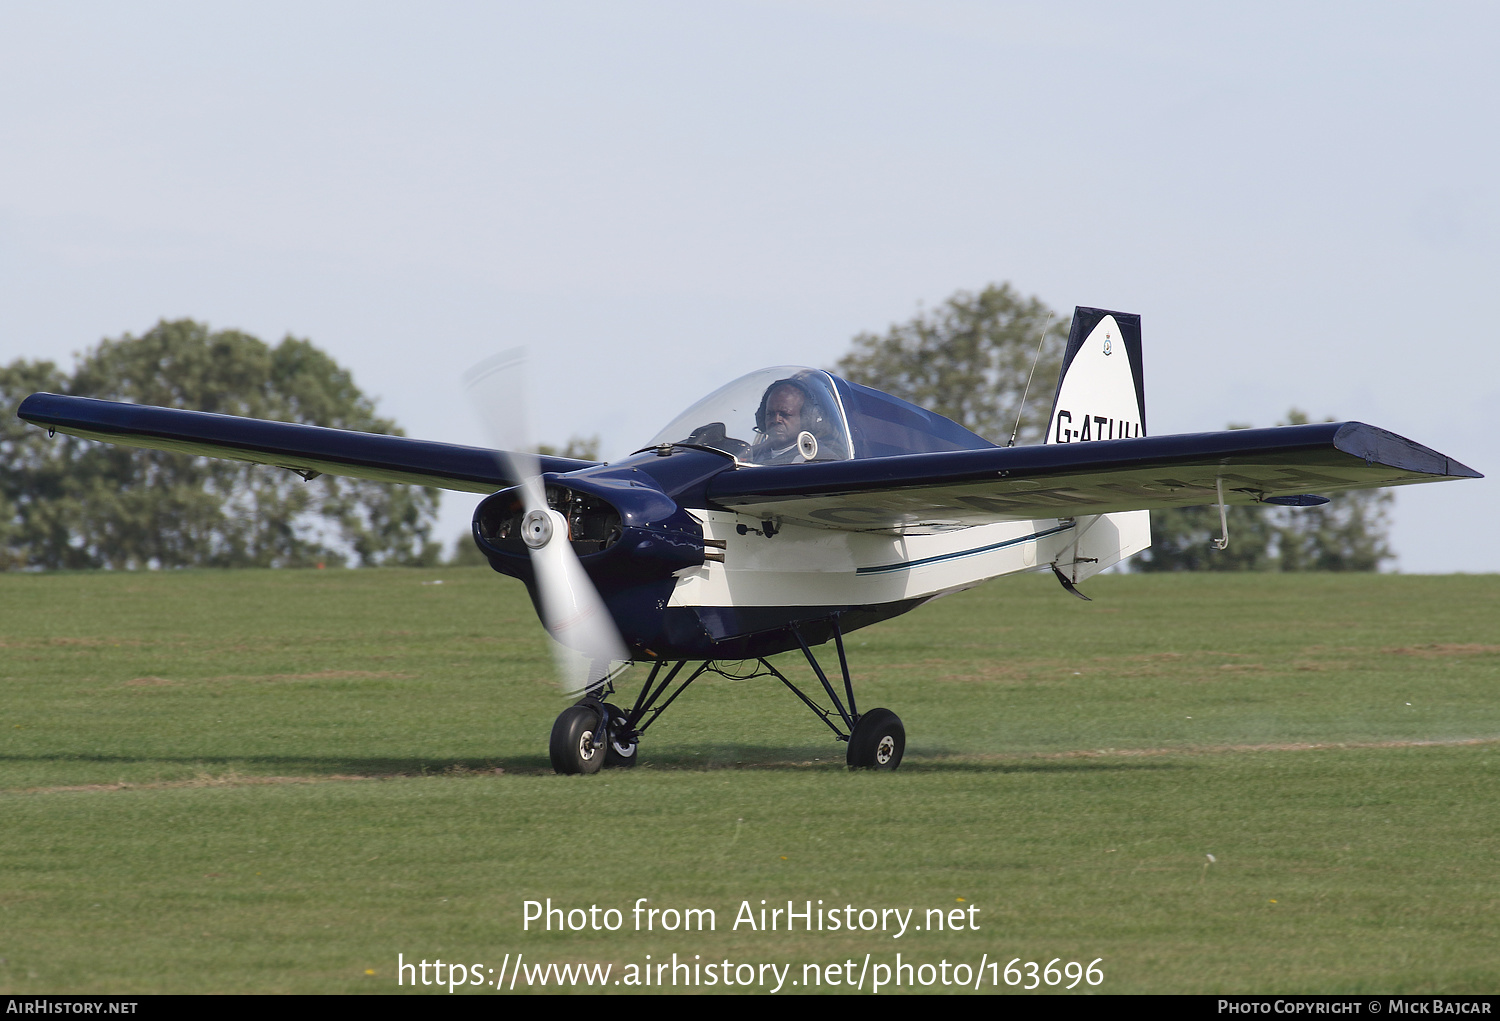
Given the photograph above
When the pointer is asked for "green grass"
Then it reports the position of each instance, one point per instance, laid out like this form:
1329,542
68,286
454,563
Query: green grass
278,781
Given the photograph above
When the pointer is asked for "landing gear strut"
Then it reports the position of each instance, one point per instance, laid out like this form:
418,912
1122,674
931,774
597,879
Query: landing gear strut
595,733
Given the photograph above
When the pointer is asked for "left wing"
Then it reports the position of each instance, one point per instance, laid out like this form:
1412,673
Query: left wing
309,450
953,489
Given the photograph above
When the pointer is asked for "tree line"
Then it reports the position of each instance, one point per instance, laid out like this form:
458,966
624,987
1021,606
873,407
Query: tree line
70,503
987,359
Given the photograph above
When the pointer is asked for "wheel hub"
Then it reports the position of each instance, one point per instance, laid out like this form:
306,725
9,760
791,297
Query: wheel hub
885,750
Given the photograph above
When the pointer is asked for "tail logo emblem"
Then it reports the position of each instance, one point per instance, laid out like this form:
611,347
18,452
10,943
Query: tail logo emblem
1107,342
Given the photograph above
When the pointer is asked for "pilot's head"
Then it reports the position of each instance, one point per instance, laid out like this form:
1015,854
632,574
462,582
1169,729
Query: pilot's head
785,405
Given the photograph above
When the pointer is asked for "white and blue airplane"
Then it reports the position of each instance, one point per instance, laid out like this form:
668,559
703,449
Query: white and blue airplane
791,507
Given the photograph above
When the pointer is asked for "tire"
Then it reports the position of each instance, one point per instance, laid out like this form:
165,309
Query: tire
620,752
575,747
878,741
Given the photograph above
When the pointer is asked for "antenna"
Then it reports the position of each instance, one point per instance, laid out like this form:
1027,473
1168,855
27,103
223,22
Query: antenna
1035,358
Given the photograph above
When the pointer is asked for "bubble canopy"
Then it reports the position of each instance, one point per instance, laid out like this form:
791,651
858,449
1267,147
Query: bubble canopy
791,414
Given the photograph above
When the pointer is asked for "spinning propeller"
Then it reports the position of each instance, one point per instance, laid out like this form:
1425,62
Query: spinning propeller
585,639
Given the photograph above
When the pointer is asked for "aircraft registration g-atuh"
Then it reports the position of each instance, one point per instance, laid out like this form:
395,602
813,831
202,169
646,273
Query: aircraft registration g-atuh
791,507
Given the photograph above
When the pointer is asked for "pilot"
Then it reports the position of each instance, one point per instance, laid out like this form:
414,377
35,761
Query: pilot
787,410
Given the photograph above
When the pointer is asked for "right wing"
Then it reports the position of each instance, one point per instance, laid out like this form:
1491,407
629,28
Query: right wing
306,449
952,489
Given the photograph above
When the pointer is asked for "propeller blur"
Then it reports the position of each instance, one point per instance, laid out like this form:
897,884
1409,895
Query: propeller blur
585,639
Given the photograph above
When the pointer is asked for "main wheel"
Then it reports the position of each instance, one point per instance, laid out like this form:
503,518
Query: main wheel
577,744
878,741
619,753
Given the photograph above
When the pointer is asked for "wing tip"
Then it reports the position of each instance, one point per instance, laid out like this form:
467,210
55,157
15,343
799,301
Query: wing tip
1377,445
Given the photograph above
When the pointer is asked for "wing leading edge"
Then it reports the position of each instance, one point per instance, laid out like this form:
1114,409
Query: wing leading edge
918,492
300,448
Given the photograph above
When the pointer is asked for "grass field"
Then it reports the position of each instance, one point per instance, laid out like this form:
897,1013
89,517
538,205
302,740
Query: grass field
279,781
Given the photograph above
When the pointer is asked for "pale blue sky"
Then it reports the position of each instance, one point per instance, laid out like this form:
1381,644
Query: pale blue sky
1299,199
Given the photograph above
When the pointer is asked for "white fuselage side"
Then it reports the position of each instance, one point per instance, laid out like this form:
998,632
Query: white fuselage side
805,566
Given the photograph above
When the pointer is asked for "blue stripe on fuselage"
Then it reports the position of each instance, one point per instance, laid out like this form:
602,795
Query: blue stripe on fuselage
908,565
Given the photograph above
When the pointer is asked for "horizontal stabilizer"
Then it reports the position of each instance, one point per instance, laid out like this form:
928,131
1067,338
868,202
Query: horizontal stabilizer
300,448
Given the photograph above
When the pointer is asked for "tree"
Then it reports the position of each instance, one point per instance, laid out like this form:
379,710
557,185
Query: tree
968,360
1349,533
584,448
30,480
72,503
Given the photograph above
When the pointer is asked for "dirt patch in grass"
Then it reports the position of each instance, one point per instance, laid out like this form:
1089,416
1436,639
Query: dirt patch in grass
966,671
1223,749
228,780
319,675
1445,649
83,643
236,779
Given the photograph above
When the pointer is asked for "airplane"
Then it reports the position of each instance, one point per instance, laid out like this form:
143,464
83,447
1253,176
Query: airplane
791,507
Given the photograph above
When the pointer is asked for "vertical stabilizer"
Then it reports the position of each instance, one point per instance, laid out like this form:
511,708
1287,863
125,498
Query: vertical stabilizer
1101,395
1101,392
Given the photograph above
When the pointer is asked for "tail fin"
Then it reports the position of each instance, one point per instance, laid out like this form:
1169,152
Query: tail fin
1101,396
1101,391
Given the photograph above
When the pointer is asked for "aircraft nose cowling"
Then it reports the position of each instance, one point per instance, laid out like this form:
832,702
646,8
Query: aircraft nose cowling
625,531
630,536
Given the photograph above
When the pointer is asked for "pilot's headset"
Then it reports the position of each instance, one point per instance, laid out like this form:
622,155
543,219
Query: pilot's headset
812,408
